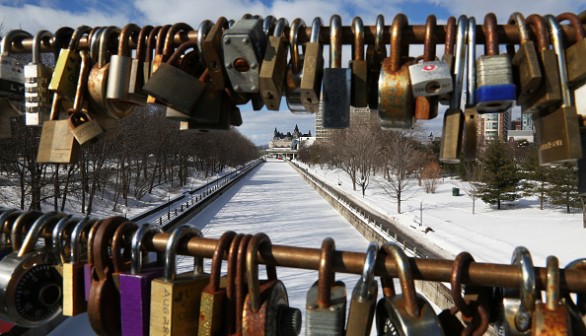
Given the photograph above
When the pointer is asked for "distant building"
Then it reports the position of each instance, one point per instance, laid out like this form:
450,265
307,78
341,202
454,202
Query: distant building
518,135
289,140
494,126
527,121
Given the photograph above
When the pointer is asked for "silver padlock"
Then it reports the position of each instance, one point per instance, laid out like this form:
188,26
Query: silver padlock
406,314
326,299
430,78
118,87
518,304
38,99
30,287
12,72
363,301
244,45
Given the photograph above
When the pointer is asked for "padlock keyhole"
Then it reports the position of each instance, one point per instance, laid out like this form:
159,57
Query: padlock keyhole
49,295
241,65
432,87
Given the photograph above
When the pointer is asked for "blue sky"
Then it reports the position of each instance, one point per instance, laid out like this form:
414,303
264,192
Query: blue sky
259,125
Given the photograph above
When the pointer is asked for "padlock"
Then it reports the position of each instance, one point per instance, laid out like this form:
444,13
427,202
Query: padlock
274,67
451,144
118,84
61,232
57,144
103,305
212,54
244,45
37,76
448,56
549,95
121,252
551,317
364,296
578,307
137,65
88,266
407,313
526,68
12,70
313,69
359,97
495,90
22,225
388,292
7,219
375,53
30,288
150,49
295,70
208,109
236,289
395,104
83,127
66,73
471,118
518,304
337,82
135,287
173,87
175,298
213,307
430,78
98,79
266,307
326,299
558,132
74,302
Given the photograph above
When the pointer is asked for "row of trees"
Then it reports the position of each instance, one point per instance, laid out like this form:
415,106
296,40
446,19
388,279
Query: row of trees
149,150
503,172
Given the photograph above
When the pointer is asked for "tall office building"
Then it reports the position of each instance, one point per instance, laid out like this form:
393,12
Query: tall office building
494,126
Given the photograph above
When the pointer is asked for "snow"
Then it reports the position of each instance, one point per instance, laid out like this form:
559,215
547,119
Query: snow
490,235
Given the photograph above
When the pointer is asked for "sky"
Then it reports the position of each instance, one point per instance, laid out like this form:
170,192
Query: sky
259,125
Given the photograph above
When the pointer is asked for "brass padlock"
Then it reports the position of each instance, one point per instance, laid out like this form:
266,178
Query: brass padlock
135,287
30,287
137,79
74,302
364,295
36,85
213,307
576,66
359,97
526,68
451,144
175,298
551,317
266,298
313,69
212,54
274,67
295,69
57,144
66,73
395,104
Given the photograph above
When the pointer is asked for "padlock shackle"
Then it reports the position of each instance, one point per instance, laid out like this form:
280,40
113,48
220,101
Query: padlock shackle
13,36
459,62
461,262
94,38
430,43
118,242
138,238
519,20
223,247
580,303
61,39
282,23
151,44
5,219
77,35
540,30
178,234
241,281
379,45
326,278
558,47
400,22
104,234
202,32
405,277
181,50
90,241
161,37
108,33
129,31
522,258
78,230
576,24
41,36
180,27
471,73
25,218
367,278
315,30
358,45
450,36
57,235
268,24
491,45
335,42
28,244
142,42
232,263
84,72
255,243
552,293
296,62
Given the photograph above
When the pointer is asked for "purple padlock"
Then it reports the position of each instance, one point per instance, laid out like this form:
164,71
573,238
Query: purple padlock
135,288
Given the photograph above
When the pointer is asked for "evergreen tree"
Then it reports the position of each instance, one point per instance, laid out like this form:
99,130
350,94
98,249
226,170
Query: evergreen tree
563,188
535,177
498,175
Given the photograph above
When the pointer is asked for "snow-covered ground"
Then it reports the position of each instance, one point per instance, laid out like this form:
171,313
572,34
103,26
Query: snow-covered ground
490,235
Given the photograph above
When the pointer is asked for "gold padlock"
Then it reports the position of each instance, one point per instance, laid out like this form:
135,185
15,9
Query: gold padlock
57,144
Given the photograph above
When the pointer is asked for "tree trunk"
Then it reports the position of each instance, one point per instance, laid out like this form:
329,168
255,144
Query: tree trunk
474,205
56,188
498,202
583,198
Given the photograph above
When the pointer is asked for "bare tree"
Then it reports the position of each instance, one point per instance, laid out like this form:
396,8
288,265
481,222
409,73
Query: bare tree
474,188
431,176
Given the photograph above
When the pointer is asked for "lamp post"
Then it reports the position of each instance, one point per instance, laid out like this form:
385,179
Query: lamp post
125,212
